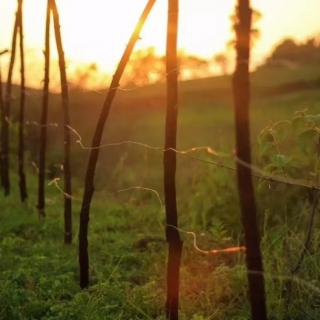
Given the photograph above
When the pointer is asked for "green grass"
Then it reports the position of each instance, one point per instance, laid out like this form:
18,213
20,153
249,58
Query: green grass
39,275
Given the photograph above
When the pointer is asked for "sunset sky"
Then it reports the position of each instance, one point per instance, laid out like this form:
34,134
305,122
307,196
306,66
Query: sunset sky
96,31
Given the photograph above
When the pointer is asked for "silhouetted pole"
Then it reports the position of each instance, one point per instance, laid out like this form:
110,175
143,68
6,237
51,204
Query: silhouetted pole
1,112
5,139
21,148
172,234
66,124
241,89
44,118
94,153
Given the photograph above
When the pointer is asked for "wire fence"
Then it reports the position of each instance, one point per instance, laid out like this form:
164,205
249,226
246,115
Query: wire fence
214,158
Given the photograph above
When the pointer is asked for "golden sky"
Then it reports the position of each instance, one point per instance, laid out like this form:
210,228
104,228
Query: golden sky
96,31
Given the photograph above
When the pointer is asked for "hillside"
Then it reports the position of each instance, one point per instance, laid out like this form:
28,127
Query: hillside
205,116
39,276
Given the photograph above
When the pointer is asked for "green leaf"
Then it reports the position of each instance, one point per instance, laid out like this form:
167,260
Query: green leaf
281,160
281,129
307,140
266,137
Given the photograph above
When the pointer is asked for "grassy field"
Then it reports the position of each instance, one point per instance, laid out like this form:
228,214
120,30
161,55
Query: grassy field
39,275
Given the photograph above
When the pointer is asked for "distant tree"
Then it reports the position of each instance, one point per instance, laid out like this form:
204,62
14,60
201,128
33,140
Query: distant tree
241,90
222,60
5,128
21,148
94,152
191,67
288,52
66,129
145,67
44,117
84,73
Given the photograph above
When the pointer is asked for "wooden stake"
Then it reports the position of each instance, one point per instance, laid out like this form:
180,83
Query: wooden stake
94,153
172,234
44,118
66,125
5,139
21,148
241,91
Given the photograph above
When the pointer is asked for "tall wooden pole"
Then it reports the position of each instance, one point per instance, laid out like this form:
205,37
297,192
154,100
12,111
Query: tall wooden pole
170,161
1,113
5,134
21,148
66,119
241,91
94,153
1,116
44,118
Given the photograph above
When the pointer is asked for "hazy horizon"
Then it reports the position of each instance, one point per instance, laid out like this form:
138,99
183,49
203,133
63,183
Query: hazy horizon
205,29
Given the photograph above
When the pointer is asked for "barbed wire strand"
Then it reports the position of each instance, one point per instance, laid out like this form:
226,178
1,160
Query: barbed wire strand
257,172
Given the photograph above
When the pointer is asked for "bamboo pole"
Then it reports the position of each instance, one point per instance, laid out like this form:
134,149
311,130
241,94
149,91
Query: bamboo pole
241,92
